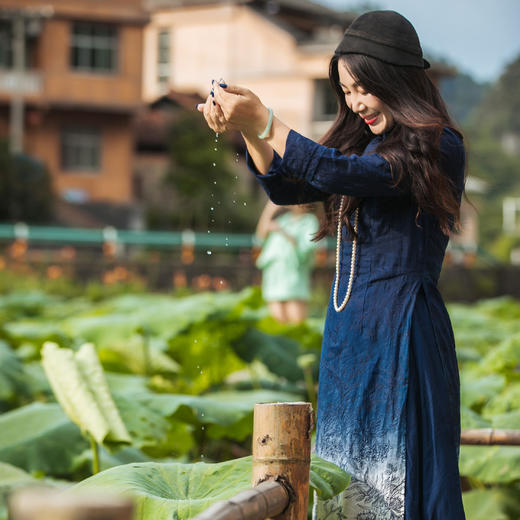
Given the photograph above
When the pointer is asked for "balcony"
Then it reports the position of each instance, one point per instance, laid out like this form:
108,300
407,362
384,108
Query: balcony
30,83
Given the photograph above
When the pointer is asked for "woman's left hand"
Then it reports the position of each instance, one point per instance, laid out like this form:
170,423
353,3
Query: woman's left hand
236,108
213,115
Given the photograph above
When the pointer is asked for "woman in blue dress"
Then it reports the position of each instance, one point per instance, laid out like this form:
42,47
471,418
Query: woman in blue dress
391,174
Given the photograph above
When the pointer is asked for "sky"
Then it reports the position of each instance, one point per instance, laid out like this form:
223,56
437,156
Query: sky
479,37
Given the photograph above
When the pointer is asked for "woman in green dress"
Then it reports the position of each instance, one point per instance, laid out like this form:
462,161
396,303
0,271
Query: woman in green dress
286,260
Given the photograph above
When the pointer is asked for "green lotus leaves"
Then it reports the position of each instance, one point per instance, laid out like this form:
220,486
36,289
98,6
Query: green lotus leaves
40,438
491,464
326,478
12,375
181,491
79,384
484,504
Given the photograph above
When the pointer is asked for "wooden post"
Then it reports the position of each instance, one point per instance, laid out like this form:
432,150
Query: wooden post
488,436
49,504
282,451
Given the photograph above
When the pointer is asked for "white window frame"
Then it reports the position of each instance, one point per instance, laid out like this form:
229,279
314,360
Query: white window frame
88,46
81,149
163,56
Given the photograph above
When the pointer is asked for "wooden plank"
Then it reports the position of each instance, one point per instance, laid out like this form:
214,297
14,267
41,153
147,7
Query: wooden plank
48,504
489,436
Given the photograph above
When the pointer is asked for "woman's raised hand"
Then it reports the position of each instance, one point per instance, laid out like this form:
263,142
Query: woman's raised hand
234,108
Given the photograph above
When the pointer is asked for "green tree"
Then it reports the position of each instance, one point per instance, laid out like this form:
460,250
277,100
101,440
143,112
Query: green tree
25,188
499,112
202,173
496,116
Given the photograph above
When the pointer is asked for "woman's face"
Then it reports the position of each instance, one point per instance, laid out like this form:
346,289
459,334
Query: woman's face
370,108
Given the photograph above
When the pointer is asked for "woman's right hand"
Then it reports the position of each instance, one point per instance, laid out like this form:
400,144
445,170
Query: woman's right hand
242,109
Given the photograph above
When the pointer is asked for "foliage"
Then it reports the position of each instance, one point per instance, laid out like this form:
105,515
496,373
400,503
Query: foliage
174,490
40,438
462,94
184,374
487,335
498,112
79,384
495,118
25,188
202,169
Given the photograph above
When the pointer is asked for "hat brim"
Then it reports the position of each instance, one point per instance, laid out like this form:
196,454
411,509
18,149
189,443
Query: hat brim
380,51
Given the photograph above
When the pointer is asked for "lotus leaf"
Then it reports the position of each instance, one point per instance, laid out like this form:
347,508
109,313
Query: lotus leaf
484,504
180,491
491,464
40,437
80,386
12,375
476,390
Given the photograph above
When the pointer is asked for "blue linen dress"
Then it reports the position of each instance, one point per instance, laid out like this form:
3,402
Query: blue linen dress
388,401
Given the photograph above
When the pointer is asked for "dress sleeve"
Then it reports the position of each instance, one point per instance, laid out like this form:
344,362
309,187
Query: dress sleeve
281,187
329,171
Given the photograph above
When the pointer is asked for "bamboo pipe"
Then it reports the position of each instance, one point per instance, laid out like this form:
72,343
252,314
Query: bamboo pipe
48,504
282,451
490,436
266,500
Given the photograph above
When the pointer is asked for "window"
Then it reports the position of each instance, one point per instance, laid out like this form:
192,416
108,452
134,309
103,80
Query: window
94,47
6,49
81,149
163,56
325,102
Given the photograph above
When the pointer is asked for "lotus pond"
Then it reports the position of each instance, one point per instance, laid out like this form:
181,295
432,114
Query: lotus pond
183,374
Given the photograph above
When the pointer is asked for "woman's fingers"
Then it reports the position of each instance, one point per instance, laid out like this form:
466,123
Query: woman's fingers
215,117
241,107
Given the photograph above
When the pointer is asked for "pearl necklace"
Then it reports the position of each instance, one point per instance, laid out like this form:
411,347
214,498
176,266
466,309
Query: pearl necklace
352,259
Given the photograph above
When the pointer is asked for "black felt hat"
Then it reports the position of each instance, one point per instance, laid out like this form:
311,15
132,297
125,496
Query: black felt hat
385,35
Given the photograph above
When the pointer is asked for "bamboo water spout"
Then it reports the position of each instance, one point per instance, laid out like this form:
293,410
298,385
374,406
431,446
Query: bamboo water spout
282,451
281,467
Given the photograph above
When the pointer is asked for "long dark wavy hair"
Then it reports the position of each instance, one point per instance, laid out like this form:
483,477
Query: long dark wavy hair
412,147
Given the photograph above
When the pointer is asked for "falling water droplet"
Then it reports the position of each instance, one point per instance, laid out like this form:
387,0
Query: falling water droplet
215,149
214,164
216,135
202,428
236,177
212,208
196,341
208,252
234,201
245,203
214,182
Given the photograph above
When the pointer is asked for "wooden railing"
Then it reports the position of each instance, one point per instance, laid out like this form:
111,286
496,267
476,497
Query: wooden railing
280,476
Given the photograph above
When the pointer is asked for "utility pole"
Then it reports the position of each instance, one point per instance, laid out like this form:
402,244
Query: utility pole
19,18
16,119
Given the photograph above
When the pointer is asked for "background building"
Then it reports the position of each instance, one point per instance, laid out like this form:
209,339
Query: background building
81,88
